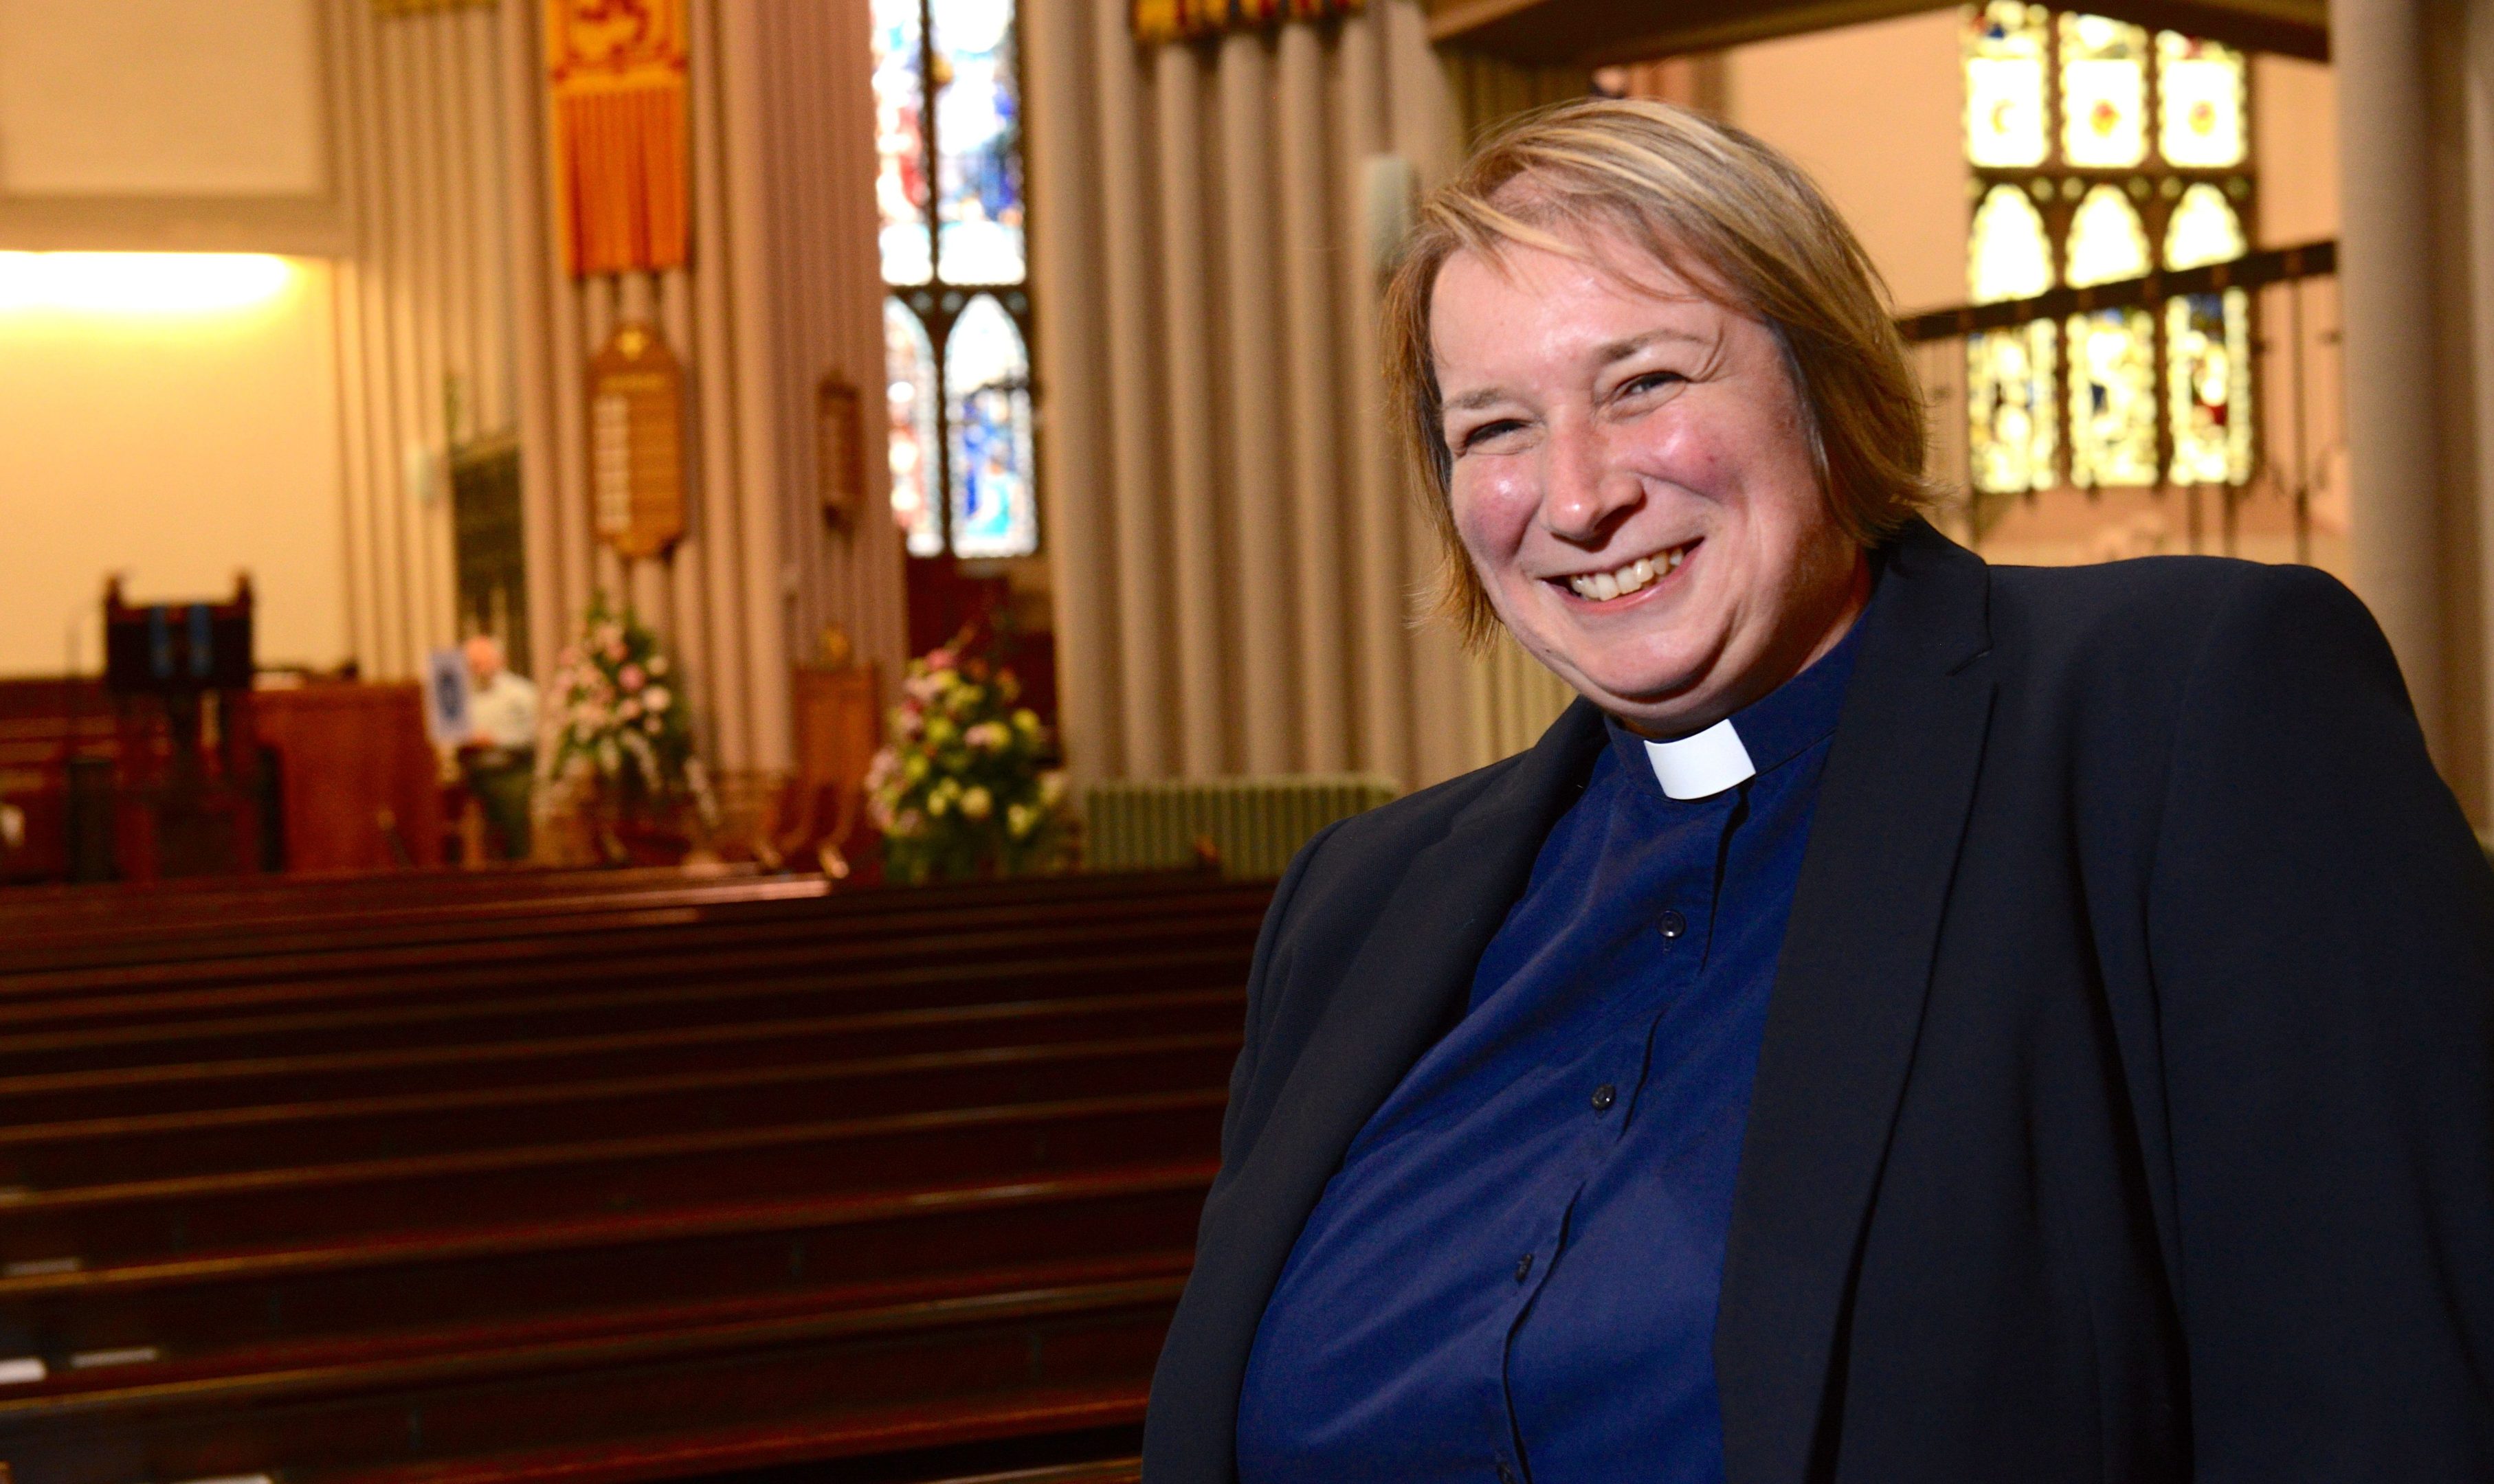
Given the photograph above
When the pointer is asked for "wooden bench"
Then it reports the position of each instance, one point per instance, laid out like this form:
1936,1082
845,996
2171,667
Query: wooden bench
899,1185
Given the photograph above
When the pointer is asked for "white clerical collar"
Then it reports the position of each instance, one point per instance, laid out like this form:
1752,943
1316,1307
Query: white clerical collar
1702,765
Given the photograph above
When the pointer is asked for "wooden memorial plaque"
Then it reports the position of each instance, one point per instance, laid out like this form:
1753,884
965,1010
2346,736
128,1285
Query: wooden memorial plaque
839,449
637,444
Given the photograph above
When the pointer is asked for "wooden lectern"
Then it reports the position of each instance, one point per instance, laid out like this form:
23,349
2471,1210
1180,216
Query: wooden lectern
188,792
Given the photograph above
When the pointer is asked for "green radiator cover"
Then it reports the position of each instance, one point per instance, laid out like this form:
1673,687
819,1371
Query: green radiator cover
1250,827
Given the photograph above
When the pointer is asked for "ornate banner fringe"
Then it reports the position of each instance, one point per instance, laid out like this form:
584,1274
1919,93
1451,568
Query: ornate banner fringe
1181,20
617,71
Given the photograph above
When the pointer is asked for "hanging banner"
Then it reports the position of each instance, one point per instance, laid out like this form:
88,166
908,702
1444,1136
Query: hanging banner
1184,20
616,70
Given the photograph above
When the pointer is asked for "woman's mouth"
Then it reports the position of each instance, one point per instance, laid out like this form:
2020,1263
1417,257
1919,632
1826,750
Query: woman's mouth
1631,577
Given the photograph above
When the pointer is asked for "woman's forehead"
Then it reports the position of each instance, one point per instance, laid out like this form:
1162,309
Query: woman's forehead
1484,302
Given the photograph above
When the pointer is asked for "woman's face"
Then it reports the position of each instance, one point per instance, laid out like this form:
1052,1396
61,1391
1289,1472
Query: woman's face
1632,480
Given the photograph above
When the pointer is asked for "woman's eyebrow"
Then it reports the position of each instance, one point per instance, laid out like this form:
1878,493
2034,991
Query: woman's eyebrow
1621,349
1478,397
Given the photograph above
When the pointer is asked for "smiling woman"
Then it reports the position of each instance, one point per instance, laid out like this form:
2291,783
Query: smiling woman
1841,1047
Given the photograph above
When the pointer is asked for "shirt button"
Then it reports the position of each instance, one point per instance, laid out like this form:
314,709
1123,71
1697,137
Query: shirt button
1604,1097
1505,1475
1524,1267
1672,923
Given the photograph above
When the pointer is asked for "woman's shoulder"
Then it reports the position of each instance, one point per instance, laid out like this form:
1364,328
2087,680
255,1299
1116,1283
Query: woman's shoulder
2166,612
1392,832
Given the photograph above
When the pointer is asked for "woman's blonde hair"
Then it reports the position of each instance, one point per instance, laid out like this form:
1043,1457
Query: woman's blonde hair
1725,213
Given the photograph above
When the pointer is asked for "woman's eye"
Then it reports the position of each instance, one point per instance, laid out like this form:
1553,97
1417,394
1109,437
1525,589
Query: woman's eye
1652,382
1476,437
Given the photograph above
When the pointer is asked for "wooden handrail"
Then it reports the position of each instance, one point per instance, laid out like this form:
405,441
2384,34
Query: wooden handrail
2252,270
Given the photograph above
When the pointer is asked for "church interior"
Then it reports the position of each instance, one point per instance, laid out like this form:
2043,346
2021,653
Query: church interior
655,655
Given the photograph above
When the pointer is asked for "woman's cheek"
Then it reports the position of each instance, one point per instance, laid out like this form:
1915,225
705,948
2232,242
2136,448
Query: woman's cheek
1492,509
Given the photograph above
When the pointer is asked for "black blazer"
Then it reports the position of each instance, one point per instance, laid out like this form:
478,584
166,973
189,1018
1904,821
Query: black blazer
2126,1106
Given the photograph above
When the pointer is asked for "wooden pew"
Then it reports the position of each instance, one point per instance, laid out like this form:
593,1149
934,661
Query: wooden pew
901,1189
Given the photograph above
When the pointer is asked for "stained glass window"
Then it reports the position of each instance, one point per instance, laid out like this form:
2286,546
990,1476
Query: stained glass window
909,358
2104,92
2209,390
977,116
2101,152
2200,88
900,142
987,395
2010,379
956,328
2008,258
2202,229
2113,398
2106,239
2004,85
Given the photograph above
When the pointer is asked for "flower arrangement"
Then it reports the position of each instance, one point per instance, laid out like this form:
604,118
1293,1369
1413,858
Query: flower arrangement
966,786
617,719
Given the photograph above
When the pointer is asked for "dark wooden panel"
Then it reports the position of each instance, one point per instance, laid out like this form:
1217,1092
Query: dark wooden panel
1595,32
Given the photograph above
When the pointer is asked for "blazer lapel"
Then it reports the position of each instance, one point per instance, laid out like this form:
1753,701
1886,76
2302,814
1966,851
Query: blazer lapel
1848,998
1405,985
1409,980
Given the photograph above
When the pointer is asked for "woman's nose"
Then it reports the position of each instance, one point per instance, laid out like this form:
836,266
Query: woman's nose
1586,492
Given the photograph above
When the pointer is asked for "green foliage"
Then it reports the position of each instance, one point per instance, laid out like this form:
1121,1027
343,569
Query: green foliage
966,787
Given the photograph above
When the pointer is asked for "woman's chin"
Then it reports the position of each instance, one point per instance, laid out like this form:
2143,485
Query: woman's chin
1640,694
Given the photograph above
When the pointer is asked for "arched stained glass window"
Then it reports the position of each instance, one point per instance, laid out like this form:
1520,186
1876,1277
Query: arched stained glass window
2202,229
900,142
2209,369
957,329
909,361
986,398
2104,92
2009,373
2011,258
2010,396
2113,398
978,172
2130,151
2005,125
2108,241
2201,88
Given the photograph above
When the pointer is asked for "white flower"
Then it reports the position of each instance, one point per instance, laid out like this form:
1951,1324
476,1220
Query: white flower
657,664
977,804
657,698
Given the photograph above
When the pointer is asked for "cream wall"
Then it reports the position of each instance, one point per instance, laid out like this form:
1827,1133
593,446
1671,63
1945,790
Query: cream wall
177,448
2294,138
1872,111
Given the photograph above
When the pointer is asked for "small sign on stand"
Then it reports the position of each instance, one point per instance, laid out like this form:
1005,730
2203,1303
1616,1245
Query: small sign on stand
447,693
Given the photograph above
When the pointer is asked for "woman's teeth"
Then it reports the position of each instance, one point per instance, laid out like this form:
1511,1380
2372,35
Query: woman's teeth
1603,586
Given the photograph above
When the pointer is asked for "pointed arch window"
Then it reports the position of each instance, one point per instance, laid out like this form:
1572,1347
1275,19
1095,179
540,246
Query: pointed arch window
2124,150
956,324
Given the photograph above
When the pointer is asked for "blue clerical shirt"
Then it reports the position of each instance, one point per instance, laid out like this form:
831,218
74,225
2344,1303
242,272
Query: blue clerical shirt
1514,1275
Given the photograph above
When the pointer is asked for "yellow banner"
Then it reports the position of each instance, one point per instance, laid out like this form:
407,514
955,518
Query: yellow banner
616,73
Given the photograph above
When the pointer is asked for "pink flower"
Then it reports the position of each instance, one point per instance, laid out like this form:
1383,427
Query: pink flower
939,659
631,676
